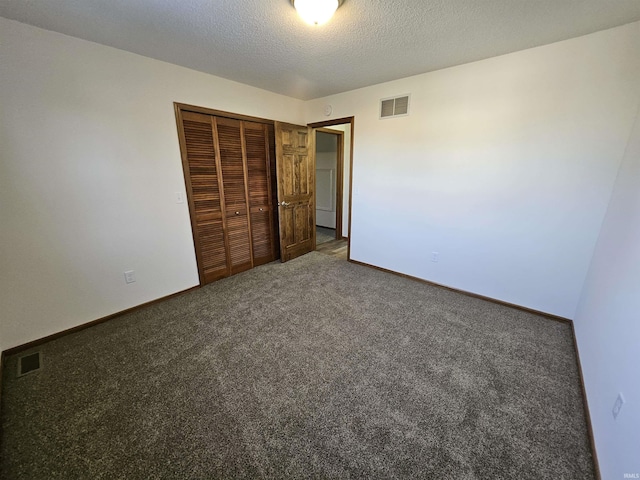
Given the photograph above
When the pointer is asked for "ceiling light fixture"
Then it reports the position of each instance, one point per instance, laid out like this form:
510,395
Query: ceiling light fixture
316,12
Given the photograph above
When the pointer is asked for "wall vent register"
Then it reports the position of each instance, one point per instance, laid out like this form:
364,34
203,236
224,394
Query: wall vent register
394,107
29,363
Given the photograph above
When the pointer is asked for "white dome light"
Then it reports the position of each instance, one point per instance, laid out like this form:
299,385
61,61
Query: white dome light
316,12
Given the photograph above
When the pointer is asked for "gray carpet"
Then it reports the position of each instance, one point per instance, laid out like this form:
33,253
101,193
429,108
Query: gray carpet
316,368
324,235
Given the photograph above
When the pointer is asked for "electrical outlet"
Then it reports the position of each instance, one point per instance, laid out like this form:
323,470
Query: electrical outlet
129,276
435,256
179,197
618,406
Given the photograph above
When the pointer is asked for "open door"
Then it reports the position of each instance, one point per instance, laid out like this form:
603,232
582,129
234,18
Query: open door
296,168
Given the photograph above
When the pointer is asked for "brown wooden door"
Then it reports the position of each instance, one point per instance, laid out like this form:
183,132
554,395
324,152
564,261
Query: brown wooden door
230,135
296,190
201,163
257,149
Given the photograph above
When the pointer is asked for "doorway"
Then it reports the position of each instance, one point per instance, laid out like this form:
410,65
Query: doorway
333,153
329,184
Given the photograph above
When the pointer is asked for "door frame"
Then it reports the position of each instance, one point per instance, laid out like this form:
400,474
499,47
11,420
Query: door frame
339,174
330,123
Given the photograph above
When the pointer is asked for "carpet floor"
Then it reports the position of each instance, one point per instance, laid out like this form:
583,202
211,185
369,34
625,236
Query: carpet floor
316,368
324,235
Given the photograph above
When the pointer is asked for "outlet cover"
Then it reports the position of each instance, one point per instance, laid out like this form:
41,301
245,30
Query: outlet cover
617,406
129,276
435,256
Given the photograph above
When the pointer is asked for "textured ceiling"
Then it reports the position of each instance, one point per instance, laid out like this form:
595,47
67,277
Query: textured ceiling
264,43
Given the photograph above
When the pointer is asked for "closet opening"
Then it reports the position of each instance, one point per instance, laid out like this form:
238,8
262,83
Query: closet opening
329,184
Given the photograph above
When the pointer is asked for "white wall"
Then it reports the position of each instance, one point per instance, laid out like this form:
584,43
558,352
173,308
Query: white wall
504,166
89,165
608,324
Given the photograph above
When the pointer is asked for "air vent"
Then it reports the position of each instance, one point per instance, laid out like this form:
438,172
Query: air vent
29,363
394,107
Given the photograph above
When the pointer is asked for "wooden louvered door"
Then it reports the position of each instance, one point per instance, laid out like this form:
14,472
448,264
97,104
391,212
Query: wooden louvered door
201,164
257,151
229,178
231,148
296,189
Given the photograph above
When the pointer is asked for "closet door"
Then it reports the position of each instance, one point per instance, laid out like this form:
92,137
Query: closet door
230,177
201,164
231,152
260,203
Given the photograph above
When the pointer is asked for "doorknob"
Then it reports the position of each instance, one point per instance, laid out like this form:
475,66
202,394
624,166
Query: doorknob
284,204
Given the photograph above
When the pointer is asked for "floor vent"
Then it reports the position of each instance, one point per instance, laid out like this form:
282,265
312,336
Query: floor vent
394,107
29,363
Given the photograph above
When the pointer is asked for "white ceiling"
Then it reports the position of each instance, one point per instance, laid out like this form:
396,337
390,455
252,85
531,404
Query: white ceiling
264,43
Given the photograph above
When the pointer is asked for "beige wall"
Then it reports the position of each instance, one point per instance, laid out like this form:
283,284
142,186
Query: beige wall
504,166
607,325
90,164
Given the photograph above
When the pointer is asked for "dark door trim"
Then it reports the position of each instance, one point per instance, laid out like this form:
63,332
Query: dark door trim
219,113
330,123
